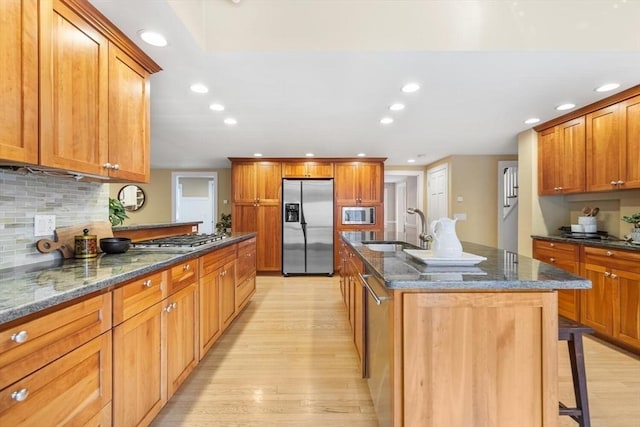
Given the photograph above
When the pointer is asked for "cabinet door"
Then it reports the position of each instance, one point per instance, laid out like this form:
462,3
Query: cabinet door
631,164
74,67
269,238
268,182
19,82
320,169
139,366
571,170
244,290
604,149
345,185
596,304
627,307
181,336
370,181
547,158
72,390
129,149
245,217
227,278
243,178
210,321
294,170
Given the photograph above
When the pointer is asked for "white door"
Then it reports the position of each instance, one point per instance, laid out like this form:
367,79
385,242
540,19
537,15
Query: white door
437,193
195,199
401,207
508,205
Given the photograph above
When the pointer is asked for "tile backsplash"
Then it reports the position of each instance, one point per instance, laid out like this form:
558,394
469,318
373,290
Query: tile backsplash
23,196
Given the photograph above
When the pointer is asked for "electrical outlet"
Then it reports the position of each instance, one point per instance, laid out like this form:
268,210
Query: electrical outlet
44,225
460,216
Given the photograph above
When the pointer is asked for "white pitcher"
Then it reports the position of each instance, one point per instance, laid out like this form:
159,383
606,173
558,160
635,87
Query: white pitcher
445,241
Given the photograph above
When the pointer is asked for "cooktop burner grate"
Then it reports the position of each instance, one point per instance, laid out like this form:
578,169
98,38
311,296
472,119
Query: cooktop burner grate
185,240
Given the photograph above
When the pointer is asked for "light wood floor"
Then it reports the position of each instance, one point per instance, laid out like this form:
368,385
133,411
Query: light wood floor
288,360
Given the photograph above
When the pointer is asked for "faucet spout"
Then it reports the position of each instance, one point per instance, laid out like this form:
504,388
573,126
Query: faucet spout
424,237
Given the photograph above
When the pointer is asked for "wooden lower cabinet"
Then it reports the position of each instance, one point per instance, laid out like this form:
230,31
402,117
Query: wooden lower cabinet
139,368
227,275
612,306
567,257
475,359
354,298
73,390
180,312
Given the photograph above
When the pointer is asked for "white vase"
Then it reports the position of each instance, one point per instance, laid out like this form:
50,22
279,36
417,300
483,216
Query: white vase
635,235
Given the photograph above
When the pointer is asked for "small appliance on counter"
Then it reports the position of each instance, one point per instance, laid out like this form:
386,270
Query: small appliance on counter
571,233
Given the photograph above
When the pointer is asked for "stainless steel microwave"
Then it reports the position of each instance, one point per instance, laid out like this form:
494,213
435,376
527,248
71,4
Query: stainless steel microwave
358,215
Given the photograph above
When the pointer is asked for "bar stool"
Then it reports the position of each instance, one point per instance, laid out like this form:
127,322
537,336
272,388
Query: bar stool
571,331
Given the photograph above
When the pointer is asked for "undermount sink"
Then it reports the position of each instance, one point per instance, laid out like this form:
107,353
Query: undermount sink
388,246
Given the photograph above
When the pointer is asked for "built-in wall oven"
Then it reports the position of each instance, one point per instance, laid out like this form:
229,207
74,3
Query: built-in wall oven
378,347
358,215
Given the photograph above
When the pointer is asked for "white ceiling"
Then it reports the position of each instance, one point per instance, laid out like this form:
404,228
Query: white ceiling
317,75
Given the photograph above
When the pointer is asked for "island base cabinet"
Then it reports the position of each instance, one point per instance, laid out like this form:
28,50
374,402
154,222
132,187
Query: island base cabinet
182,338
480,359
73,390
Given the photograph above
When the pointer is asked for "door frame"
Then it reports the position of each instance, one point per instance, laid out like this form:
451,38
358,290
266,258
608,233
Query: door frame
442,167
175,180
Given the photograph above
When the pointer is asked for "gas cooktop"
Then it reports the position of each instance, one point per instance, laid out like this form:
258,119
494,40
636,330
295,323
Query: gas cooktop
183,242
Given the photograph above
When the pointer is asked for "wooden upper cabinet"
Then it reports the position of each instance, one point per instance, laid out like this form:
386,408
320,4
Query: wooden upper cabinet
74,67
19,82
358,183
129,148
561,158
630,110
604,149
256,182
307,170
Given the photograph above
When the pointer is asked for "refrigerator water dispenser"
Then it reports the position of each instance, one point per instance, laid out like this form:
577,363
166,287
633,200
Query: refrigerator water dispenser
292,212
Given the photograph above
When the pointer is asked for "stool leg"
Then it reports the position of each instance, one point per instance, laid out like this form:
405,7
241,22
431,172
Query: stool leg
578,372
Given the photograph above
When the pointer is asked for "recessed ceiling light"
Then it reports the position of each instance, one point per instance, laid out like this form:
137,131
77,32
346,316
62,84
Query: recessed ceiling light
396,107
410,87
217,107
309,154
199,88
154,39
411,161
563,107
532,120
257,154
361,154
230,121
607,87
386,120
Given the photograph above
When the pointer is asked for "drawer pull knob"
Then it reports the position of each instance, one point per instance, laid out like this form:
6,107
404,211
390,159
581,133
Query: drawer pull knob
609,253
147,283
607,274
20,395
613,275
186,267
168,308
613,182
20,337
620,182
552,259
107,166
553,245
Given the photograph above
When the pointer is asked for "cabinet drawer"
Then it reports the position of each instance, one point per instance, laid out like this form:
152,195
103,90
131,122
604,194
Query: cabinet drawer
246,261
31,345
613,258
216,259
244,291
137,295
556,246
72,390
182,275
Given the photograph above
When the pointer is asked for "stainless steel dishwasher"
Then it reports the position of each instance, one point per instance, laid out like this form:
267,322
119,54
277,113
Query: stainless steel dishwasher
378,347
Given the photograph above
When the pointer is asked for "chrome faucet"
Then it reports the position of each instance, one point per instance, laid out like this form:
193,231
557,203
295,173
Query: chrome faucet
424,237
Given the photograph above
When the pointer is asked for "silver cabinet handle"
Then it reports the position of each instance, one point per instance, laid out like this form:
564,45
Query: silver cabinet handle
613,182
171,307
186,267
609,253
116,166
147,283
107,165
607,274
552,259
613,275
20,337
553,245
376,298
620,182
20,395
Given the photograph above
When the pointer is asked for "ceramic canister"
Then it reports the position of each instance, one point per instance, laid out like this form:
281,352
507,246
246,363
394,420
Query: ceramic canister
86,245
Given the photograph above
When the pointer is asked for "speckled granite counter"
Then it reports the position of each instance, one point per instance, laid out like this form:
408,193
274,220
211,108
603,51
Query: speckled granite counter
501,271
612,243
28,289
159,225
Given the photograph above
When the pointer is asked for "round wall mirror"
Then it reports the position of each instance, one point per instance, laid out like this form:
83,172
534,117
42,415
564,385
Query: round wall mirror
132,197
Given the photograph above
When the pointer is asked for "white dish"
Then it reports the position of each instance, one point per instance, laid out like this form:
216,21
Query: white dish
633,242
427,257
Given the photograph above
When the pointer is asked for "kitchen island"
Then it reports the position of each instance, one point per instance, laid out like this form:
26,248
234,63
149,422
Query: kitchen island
456,346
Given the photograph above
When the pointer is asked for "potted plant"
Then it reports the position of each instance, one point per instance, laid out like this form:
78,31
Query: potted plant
635,220
117,213
224,225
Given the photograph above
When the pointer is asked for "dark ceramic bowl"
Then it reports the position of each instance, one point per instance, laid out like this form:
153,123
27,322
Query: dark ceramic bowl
115,245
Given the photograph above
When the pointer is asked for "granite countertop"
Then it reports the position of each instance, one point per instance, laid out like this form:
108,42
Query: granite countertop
611,242
159,225
502,270
31,288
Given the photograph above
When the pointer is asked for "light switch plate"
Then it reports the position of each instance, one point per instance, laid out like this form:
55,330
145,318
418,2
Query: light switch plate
44,225
460,216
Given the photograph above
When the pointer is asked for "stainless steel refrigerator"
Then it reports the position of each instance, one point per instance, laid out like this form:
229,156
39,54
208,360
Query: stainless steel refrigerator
307,226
